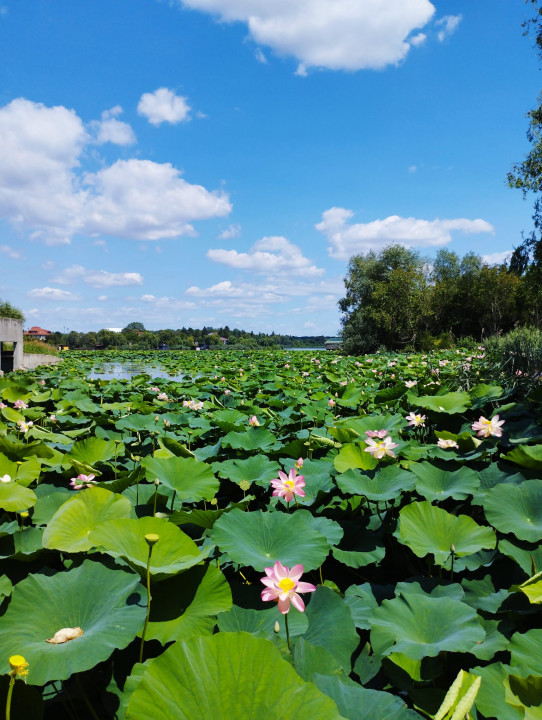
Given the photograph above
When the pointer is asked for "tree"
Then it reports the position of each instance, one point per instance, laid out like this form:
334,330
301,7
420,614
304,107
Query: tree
7,310
527,175
386,300
137,326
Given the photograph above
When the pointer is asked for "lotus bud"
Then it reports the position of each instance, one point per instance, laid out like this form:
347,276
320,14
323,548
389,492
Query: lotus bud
151,539
276,628
156,482
452,549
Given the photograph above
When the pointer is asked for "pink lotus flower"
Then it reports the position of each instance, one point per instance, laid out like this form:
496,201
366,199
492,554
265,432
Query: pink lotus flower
416,420
286,486
2,405
24,426
155,389
227,392
52,418
376,433
445,444
253,421
331,402
42,382
485,428
382,448
410,383
162,396
82,481
283,586
298,463
20,405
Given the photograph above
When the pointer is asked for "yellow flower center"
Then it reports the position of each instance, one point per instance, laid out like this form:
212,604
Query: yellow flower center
289,484
286,584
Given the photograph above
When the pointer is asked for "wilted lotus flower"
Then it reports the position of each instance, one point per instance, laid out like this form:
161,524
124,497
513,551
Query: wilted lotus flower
485,428
445,444
283,586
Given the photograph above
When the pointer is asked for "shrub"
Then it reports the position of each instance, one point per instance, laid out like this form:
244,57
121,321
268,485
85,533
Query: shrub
7,310
518,354
39,348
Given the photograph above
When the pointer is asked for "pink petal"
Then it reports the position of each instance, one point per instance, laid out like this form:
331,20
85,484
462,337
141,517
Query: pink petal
296,572
280,571
298,603
305,587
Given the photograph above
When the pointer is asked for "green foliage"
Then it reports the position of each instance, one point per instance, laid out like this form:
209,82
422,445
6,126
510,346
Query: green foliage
7,310
518,355
37,347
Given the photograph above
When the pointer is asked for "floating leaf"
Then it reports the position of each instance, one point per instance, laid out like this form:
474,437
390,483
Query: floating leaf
386,484
433,483
516,509
191,479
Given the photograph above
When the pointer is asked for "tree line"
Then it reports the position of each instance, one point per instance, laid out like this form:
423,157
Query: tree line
399,300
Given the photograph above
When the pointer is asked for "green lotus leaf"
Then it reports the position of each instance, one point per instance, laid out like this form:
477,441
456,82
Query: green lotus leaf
526,653
191,479
317,474
491,697
495,641
24,545
28,471
200,594
428,529
421,625
255,469
259,539
15,497
93,450
387,483
125,538
253,439
353,456
529,456
50,498
367,665
228,420
525,554
261,623
331,626
330,529
5,586
481,594
516,509
368,548
70,527
249,680
449,404
308,659
358,703
532,588
362,603
436,484
108,605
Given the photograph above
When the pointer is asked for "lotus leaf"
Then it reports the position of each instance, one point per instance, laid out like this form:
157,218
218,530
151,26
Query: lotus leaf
436,484
260,539
331,626
125,538
429,529
191,479
225,676
15,497
386,484
516,509
107,604
70,527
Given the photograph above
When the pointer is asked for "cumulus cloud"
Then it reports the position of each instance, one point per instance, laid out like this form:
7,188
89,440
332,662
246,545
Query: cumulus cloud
163,105
10,252
269,256
167,303
279,291
497,258
347,239
447,26
49,293
44,191
111,130
97,278
232,231
338,35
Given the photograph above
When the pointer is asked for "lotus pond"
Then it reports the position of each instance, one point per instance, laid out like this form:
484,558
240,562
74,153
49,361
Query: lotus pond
140,516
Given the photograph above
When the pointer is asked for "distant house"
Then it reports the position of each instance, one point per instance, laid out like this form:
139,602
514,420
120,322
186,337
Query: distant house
334,343
223,340
37,333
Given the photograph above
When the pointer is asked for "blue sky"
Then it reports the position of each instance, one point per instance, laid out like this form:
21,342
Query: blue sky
216,162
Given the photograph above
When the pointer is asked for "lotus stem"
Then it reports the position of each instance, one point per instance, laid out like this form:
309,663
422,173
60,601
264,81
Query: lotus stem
156,484
10,693
452,553
151,539
287,631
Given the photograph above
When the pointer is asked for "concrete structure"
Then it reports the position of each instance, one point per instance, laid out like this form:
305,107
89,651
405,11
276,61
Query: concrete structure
33,360
11,344
334,343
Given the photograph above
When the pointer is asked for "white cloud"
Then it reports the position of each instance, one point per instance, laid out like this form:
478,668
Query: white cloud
111,130
338,35
10,252
44,191
448,25
49,293
272,255
497,258
232,231
418,39
97,278
164,106
48,265
101,298
168,303
346,239
260,57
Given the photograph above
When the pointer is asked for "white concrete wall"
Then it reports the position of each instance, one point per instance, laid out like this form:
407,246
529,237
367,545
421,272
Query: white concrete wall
32,360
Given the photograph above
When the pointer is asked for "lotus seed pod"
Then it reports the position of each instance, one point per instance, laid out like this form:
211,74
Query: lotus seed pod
151,539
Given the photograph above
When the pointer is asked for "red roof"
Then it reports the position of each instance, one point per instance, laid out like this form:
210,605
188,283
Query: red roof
37,331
